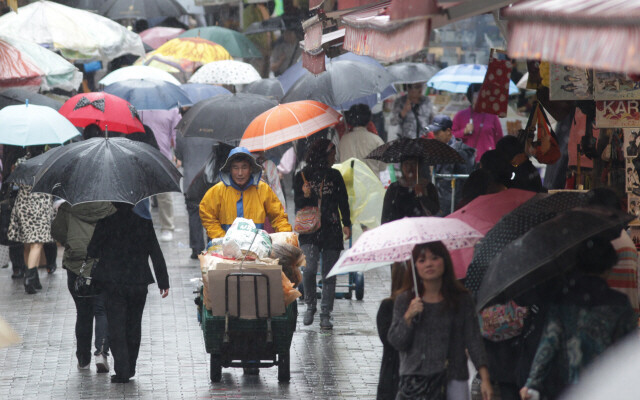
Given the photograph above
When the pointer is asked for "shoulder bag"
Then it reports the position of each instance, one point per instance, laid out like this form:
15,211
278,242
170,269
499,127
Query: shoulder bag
308,218
84,285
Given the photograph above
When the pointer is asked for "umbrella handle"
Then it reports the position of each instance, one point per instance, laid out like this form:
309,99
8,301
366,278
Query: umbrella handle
415,278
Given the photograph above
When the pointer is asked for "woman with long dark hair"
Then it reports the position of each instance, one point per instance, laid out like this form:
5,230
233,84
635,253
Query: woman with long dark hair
432,328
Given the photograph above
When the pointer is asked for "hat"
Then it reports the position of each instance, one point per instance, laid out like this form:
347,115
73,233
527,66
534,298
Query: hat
440,122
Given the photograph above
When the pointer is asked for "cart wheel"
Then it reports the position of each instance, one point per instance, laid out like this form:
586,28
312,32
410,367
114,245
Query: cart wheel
216,368
284,374
359,285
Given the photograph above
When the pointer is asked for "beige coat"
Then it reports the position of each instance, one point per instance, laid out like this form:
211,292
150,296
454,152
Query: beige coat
358,144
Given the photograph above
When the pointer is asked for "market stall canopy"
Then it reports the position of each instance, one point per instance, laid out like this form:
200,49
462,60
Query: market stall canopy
599,34
77,34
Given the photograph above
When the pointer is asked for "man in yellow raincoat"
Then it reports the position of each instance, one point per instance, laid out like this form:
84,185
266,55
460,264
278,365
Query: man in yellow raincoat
241,193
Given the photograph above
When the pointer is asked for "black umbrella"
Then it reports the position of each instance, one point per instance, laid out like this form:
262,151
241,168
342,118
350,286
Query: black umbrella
270,87
89,5
113,169
269,25
546,251
209,175
17,96
224,117
412,72
142,9
25,172
429,151
540,208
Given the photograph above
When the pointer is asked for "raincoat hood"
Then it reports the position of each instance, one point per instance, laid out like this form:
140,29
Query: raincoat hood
240,153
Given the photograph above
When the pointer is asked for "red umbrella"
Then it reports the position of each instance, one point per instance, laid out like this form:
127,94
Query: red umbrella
107,111
482,214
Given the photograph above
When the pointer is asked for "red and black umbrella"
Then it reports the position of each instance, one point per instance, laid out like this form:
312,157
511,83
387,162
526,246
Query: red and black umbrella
109,112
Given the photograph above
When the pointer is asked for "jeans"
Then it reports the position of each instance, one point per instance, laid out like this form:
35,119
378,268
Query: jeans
88,308
196,230
329,258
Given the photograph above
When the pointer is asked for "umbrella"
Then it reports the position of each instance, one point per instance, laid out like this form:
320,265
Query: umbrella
137,72
7,335
107,169
150,94
200,91
482,214
26,172
107,111
17,96
158,35
227,72
285,123
342,82
184,54
25,63
224,117
270,87
515,224
89,5
394,242
142,9
237,44
77,34
457,78
269,25
547,250
429,151
409,72
30,125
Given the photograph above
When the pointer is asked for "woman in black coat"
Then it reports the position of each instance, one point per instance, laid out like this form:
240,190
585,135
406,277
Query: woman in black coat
326,184
123,243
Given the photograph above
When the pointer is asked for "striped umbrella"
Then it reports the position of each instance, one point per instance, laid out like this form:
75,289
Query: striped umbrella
287,122
457,78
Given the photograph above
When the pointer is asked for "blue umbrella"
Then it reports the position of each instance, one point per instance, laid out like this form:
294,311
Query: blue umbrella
201,91
31,125
150,94
457,78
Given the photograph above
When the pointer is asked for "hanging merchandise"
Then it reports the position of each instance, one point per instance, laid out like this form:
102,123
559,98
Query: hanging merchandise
494,94
539,135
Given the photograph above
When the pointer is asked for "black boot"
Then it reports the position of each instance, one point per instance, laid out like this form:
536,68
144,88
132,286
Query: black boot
18,272
36,283
29,280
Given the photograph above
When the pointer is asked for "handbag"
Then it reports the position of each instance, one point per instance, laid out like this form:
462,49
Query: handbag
308,218
502,321
84,286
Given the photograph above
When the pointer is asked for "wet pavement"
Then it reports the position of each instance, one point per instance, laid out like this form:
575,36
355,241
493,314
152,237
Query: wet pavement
173,363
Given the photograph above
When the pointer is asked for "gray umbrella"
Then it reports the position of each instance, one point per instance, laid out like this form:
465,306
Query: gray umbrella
17,96
409,72
270,87
142,9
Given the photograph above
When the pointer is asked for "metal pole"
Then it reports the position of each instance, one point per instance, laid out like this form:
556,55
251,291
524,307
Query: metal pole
453,194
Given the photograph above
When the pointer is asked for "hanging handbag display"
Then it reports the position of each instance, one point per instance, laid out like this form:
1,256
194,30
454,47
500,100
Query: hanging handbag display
308,218
84,285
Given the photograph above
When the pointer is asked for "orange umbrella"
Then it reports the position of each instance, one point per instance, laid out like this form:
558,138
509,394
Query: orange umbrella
287,122
185,53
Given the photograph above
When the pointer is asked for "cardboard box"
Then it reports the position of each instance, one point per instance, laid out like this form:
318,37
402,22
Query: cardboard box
216,286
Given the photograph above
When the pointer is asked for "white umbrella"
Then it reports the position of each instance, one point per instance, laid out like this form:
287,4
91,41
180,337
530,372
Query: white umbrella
225,72
78,34
138,72
31,125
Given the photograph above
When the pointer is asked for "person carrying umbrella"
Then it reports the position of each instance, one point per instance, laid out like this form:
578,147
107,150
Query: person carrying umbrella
360,142
413,111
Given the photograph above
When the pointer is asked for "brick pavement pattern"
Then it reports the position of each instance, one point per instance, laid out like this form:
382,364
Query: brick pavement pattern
173,364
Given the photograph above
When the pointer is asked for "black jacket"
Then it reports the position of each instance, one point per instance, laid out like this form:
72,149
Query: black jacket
335,202
401,201
123,243
390,367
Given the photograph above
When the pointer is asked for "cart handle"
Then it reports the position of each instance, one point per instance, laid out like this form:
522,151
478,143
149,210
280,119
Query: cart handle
255,276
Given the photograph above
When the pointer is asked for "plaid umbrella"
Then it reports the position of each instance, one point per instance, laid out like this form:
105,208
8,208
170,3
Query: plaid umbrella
429,151
515,224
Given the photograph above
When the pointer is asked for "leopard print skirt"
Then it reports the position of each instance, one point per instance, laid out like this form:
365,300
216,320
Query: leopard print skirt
31,217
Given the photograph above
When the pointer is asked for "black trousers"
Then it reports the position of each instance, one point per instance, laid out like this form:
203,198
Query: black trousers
196,231
125,305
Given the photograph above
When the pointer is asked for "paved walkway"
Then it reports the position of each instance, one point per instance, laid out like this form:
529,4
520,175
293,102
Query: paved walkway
173,364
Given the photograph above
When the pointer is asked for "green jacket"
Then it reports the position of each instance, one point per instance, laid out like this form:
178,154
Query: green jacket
73,227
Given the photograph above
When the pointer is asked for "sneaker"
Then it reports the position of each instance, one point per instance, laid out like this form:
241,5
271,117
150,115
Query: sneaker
84,367
166,235
102,363
308,315
325,322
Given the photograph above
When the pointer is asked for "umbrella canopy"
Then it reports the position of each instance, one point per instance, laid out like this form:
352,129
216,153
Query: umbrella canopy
159,35
107,111
25,172
89,5
137,72
394,242
227,72
77,34
429,151
25,63
18,96
113,169
150,94
270,87
515,224
224,118
269,25
285,123
185,54
457,78
31,125
547,250
482,214
142,9
200,91
342,82
409,72
237,44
